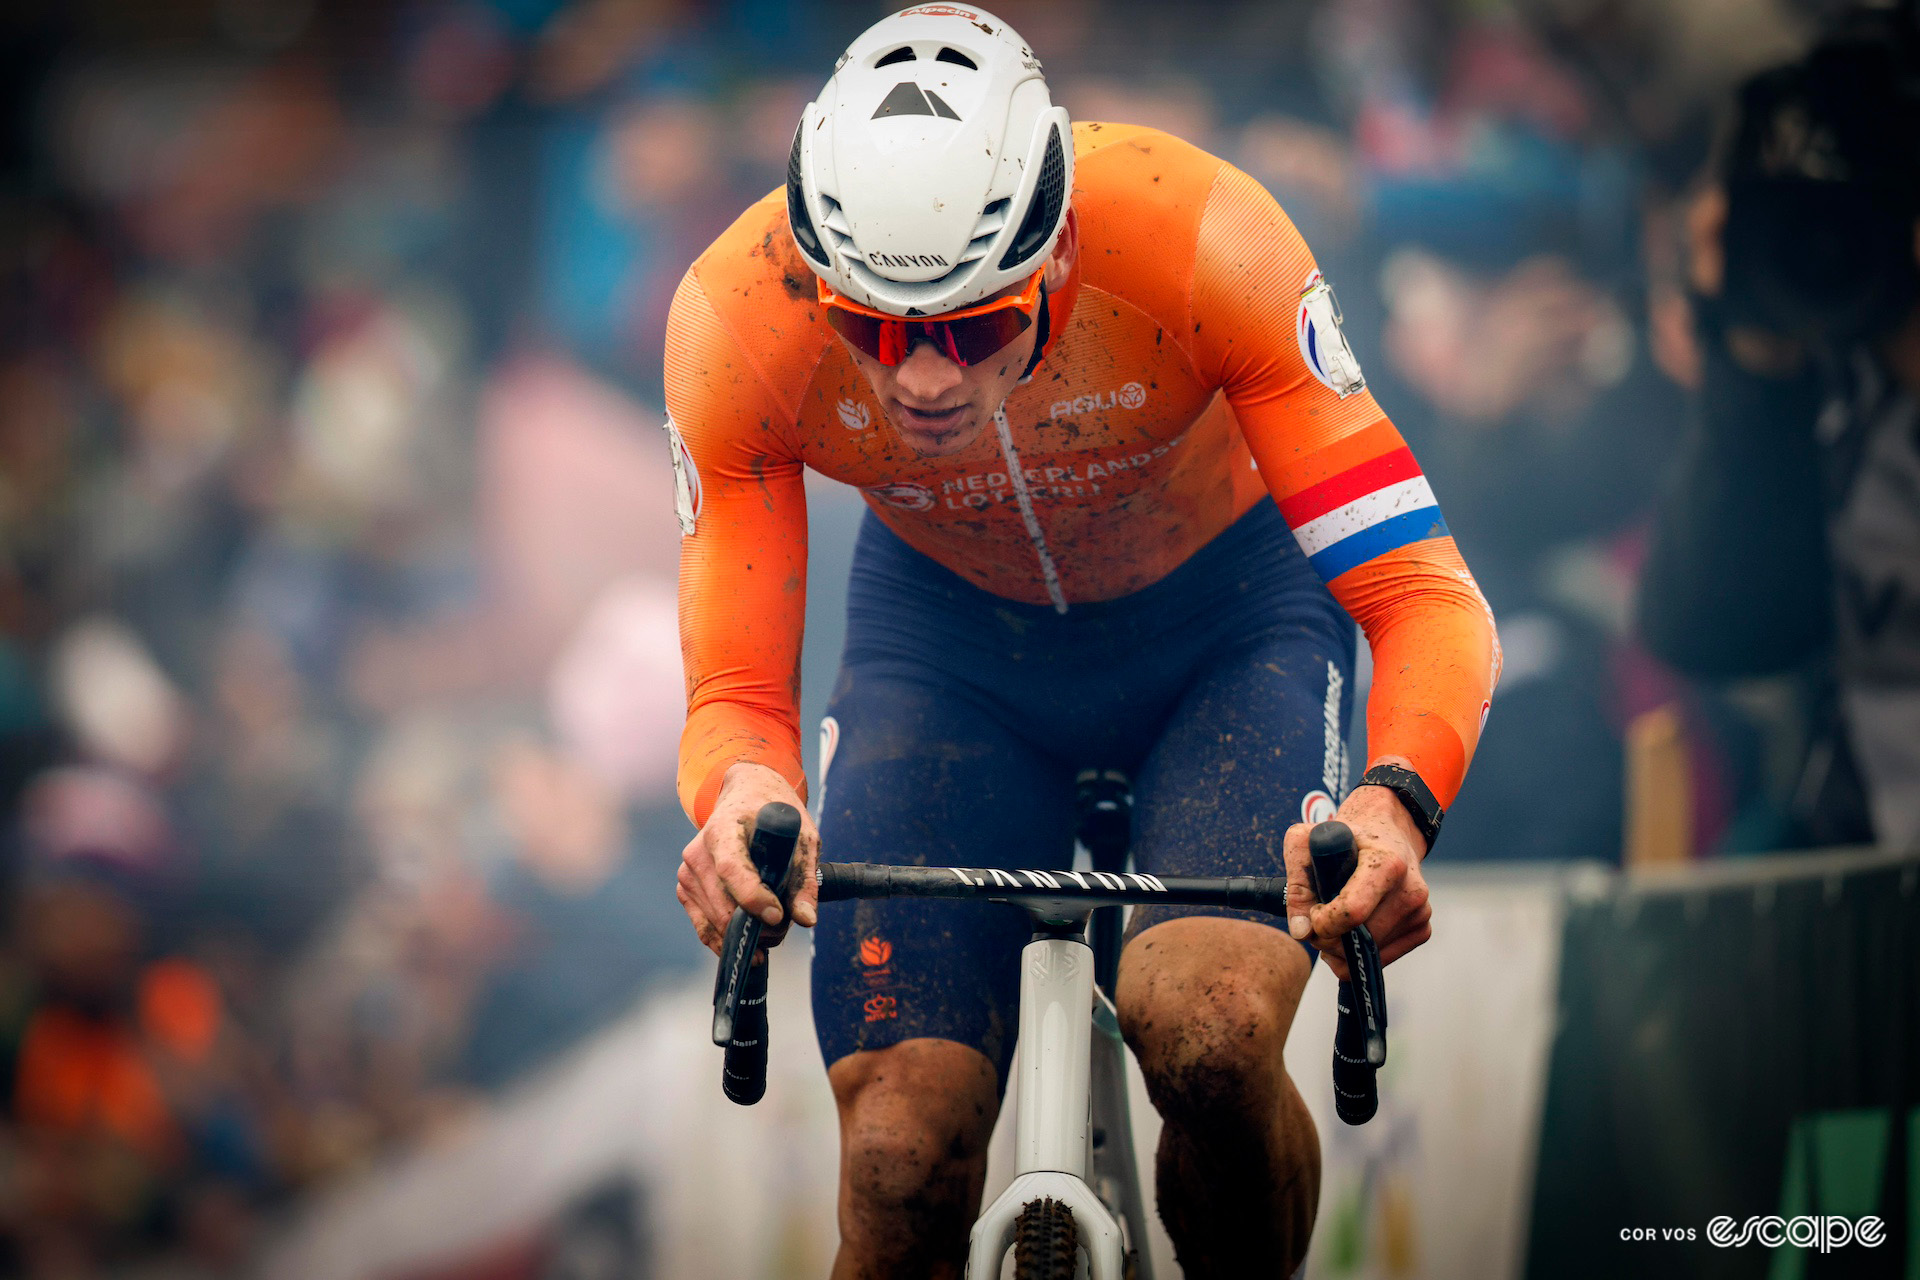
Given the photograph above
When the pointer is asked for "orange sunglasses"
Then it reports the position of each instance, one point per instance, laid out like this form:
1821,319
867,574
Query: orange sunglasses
966,336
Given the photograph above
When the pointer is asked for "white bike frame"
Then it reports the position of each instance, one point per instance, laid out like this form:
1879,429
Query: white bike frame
1072,1139
1055,1147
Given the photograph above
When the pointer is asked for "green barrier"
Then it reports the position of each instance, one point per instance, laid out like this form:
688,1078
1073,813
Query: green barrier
1733,1045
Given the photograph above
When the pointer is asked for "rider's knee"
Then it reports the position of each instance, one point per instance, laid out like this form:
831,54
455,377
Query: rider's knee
1208,1032
1218,1056
915,1121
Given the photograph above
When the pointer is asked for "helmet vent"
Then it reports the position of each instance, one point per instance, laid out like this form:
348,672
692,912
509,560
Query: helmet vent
992,219
1049,194
903,54
909,99
954,56
839,233
797,216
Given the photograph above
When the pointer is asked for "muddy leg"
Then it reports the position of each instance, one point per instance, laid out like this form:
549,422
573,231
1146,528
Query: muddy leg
914,1124
1206,1004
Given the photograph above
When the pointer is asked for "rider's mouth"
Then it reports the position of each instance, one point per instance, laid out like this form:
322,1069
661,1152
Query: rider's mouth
933,421
930,428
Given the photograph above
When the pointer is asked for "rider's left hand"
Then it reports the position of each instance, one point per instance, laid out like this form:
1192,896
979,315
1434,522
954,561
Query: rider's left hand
1387,892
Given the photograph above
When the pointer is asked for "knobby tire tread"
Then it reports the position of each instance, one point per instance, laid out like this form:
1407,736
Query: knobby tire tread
1046,1242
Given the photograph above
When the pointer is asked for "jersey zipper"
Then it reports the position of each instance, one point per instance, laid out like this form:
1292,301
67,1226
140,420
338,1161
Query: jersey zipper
1018,475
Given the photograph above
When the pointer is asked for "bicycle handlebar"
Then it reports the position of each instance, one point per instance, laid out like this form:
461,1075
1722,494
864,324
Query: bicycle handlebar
739,998
740,989
1360,1035
1044,890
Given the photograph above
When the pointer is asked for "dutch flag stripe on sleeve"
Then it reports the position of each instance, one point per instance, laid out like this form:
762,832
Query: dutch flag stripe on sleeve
1364,511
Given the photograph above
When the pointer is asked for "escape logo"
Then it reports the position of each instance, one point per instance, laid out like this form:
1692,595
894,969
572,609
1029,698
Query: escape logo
1825,1232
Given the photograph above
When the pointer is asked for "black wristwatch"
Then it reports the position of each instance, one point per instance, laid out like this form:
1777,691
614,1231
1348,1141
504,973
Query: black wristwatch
1414,795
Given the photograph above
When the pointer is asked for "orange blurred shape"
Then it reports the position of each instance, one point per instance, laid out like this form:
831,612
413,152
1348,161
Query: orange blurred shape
78,1076
180,1008
875,951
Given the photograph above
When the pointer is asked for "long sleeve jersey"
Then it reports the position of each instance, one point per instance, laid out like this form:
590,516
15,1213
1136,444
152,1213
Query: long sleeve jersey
1184,384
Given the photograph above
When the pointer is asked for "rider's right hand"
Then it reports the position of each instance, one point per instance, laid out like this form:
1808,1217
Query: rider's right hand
716,873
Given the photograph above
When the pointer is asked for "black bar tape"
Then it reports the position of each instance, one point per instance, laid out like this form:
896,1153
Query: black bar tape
1360,1033
740,989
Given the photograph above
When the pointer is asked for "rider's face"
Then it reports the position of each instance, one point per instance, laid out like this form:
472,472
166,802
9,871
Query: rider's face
940,407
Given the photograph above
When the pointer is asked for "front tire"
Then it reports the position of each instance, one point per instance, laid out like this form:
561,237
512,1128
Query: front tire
1046,1242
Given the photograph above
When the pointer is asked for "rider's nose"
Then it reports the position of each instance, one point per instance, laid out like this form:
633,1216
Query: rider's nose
926,376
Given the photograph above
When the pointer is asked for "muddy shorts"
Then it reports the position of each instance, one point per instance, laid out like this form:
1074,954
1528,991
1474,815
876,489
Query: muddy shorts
960,719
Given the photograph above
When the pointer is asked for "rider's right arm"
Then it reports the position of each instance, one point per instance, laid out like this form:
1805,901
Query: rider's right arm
743,567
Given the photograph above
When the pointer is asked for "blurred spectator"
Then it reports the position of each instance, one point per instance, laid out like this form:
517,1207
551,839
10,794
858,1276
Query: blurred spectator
1535,408
128,1084
591,921
1789,537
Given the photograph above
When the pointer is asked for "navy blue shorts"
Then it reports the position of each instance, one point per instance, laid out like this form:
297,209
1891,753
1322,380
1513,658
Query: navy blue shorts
1223,691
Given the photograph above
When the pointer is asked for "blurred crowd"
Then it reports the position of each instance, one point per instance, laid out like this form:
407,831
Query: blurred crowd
339,682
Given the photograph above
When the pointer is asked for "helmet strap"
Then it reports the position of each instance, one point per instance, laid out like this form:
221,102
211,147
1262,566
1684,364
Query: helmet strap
1046,330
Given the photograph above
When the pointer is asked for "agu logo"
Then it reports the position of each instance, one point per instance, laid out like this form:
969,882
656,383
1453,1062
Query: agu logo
1316,806
875,951
1131,396
904,494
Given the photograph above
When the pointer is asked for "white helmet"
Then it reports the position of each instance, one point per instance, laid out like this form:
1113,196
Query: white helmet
934,169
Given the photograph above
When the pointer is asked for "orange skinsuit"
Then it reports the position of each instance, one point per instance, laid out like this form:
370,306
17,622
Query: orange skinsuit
1180,368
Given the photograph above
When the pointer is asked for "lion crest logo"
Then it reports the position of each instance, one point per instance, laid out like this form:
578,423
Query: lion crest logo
854,417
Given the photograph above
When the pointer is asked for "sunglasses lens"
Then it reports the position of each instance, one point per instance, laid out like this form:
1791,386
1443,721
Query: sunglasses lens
977,338
965,341
861,331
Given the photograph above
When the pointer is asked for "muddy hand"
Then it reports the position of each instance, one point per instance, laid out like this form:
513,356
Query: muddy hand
1387,892
716,874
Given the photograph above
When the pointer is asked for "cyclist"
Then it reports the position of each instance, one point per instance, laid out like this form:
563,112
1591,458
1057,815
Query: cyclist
1126,487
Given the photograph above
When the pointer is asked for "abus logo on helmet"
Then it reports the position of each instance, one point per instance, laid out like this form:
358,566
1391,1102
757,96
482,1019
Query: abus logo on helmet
906,260
1808,1231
